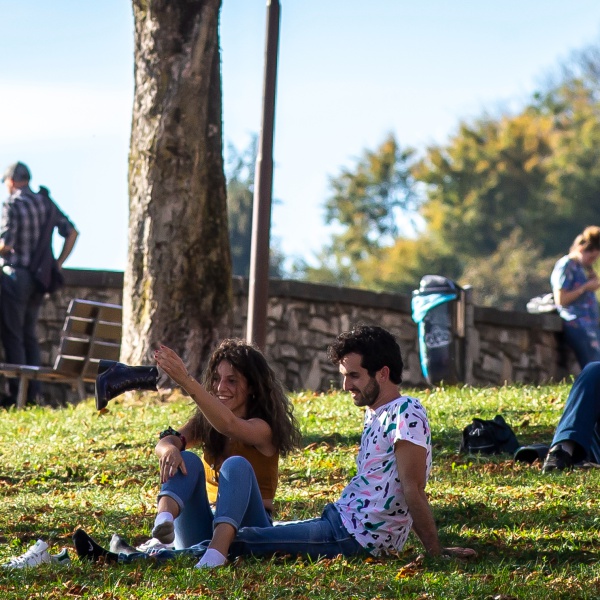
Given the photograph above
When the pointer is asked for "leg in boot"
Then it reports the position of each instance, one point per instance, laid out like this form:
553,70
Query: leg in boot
114,378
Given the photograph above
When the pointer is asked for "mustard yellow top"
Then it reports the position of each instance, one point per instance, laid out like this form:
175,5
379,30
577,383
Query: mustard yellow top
266,469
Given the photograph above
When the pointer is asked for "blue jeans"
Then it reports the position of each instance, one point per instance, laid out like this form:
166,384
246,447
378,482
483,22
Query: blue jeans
323,537
239,502
20,303
584,341
580,421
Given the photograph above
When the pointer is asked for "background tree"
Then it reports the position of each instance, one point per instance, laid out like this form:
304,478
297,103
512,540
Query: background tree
370,204
512,275
507,196
500,201
240,196
178,276
537,170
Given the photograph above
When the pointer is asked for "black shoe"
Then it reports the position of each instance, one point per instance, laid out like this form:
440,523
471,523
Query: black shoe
530,454
114,378
557,460
88,549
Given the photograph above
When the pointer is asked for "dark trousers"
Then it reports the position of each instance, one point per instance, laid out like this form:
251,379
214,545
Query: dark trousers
20,304
580,421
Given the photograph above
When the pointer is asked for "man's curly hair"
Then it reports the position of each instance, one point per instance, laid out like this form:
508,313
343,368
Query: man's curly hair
377,347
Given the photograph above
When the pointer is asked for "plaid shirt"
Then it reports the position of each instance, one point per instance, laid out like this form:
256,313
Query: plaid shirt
24,215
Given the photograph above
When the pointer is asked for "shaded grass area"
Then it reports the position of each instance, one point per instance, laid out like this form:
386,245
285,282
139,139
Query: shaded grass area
536,535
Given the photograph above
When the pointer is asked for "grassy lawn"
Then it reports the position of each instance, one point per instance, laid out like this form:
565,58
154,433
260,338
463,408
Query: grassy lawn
536,534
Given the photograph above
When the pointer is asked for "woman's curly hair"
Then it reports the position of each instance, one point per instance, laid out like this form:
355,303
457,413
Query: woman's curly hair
267,399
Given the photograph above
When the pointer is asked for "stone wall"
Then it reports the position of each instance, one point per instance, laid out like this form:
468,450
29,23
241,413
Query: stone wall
303,318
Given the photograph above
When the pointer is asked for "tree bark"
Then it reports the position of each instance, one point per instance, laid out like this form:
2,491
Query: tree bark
177,287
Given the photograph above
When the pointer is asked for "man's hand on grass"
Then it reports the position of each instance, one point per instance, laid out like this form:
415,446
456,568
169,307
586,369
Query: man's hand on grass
460,553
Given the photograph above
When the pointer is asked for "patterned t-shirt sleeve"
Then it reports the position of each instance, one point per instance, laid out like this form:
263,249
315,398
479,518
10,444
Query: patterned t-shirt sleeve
412,424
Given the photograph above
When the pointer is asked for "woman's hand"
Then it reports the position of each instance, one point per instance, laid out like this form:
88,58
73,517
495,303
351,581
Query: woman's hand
169,462
170,362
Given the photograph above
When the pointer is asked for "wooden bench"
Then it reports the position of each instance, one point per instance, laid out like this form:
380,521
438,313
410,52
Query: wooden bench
91,333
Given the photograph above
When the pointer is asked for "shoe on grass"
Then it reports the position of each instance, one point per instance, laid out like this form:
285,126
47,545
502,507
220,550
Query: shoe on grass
34,556
154,545
62,558
557,460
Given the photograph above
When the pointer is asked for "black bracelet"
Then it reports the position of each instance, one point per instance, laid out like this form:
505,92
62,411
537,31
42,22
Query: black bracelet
170,431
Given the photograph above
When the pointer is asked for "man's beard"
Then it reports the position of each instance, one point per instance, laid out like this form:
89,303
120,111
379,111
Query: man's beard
369,395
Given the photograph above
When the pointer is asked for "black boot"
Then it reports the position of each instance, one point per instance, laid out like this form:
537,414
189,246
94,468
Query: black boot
114,378
88,549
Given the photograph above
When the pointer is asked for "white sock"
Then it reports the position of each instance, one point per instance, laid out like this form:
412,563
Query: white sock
163,517
212,558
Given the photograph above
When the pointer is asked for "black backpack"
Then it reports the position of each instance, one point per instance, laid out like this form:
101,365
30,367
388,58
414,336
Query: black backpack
489,437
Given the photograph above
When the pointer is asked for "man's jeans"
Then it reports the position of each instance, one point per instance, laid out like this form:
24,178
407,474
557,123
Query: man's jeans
585,343
323,537
20,304
239,502
580,421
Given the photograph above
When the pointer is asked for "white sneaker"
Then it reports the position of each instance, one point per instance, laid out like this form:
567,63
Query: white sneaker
153,545
36,555
62,558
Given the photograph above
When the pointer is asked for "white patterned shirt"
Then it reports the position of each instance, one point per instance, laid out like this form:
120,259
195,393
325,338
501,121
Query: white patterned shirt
372,506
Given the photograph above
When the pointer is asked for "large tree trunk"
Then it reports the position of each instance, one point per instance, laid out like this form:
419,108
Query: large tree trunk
178,277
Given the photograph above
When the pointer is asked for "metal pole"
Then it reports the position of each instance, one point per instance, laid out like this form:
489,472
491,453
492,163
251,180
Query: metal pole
258,293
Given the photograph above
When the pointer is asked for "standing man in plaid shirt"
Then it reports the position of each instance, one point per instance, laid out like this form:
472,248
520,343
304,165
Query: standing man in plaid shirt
24,215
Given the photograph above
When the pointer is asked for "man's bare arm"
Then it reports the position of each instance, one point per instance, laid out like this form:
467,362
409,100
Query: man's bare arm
67,247
411,463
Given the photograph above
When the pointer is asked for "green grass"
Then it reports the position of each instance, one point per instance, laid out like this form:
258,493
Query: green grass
536,535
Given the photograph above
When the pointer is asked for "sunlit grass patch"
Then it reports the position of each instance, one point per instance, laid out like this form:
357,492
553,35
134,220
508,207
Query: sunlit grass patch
536,535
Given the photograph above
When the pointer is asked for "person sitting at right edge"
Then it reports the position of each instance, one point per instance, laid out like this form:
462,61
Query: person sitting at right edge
577,436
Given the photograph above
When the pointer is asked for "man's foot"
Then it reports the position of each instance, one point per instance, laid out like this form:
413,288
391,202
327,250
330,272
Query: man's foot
34,556
164,532
557,460
212,559
88,549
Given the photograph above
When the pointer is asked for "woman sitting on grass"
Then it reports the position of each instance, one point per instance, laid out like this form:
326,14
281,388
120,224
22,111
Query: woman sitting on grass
243,423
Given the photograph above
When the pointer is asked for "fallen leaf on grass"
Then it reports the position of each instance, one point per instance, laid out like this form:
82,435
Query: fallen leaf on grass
412,568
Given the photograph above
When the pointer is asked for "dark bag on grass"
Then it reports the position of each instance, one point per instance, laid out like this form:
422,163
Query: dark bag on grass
489,437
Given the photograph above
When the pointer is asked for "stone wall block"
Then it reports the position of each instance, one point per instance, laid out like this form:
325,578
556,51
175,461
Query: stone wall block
304,318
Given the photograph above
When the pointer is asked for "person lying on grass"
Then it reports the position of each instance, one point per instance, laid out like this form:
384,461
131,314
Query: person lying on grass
243,422
386,498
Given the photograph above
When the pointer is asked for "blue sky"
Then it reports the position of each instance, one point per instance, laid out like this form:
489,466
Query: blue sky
350,72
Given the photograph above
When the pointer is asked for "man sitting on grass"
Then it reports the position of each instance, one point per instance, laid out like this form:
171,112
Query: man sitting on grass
386,498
